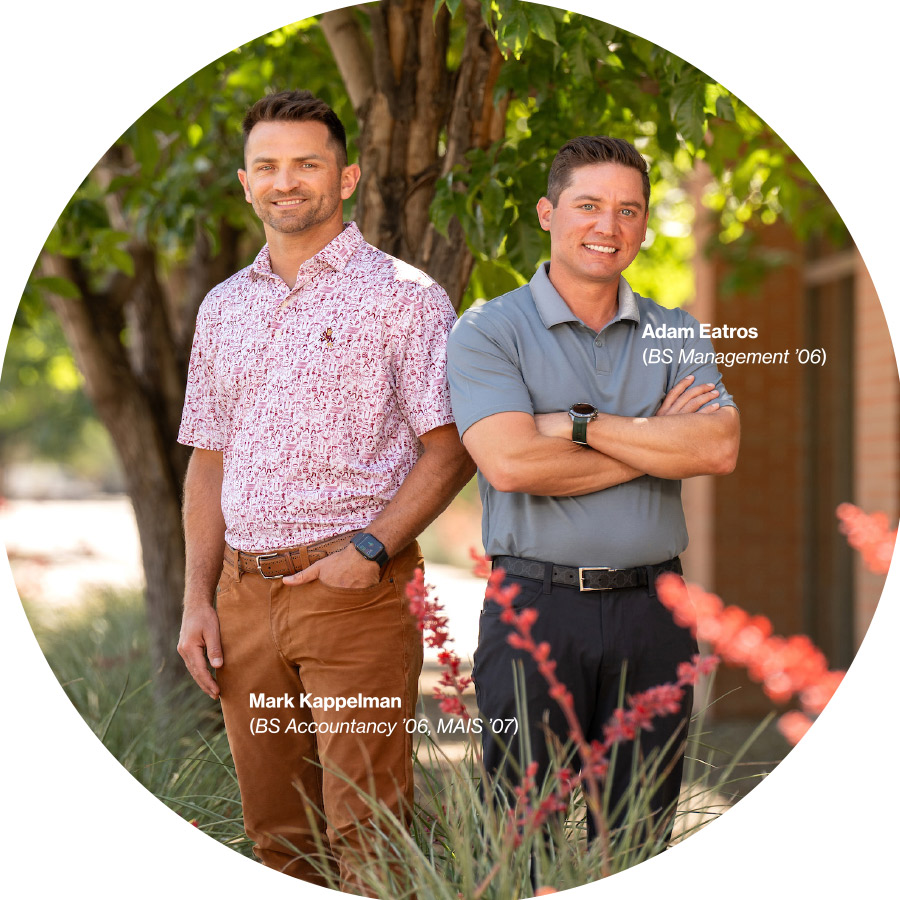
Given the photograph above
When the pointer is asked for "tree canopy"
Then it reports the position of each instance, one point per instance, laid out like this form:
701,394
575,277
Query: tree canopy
456,108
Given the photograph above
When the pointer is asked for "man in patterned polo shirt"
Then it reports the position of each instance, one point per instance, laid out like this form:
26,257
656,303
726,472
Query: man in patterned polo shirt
318,407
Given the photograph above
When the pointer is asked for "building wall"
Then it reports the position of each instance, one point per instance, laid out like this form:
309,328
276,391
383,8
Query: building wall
765,538
876,430
759,508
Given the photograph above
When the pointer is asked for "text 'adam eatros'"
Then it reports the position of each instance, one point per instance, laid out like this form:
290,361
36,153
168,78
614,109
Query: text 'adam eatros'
716,332
308,701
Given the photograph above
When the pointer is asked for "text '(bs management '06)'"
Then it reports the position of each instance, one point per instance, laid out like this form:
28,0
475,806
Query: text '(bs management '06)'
691,356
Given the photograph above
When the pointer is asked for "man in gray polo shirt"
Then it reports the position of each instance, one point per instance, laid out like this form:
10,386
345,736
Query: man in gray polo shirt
584,405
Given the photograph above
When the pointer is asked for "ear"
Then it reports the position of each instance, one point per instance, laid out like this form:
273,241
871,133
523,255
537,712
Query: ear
350,176
545,213
242,177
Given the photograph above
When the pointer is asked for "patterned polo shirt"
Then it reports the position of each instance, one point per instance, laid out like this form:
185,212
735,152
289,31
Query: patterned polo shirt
317,394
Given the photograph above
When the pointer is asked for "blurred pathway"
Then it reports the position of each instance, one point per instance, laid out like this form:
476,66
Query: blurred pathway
62,550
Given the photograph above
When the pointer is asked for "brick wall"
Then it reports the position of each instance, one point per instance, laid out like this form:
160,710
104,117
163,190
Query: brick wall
876,430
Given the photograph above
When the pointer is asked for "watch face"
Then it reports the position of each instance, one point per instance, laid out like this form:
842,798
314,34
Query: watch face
582,409
370,546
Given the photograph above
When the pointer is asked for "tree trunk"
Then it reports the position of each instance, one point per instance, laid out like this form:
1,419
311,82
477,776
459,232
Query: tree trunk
417,121
134,398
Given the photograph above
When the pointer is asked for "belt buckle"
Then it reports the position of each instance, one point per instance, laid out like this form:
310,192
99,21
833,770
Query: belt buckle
583,569
259,567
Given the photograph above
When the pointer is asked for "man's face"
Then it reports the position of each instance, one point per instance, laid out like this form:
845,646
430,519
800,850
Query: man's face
293,178
598,224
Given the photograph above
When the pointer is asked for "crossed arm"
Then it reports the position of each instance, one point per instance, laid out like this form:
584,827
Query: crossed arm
535,454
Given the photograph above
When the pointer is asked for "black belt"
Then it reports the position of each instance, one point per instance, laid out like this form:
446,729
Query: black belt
585,578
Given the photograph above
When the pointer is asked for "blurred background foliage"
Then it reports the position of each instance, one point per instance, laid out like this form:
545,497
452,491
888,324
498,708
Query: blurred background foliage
489,89
563,74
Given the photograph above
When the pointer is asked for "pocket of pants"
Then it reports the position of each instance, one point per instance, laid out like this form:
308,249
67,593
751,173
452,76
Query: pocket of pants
226,579
393,569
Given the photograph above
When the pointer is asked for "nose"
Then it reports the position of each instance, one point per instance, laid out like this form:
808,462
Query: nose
605,221
286,179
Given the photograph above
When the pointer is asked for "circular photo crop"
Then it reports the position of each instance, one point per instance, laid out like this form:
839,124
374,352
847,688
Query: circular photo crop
448,450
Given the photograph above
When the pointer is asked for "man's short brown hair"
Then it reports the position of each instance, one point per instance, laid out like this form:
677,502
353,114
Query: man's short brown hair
298,106
588,151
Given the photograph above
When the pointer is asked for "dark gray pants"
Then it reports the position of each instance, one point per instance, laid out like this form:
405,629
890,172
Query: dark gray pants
592,636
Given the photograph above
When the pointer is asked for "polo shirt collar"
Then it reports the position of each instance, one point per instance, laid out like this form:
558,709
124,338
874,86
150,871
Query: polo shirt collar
553,310
334,255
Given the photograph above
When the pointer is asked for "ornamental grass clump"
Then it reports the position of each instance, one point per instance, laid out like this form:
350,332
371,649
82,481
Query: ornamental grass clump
527,827
470,836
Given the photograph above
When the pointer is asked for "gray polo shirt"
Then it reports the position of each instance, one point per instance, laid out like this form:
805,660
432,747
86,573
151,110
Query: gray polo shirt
526,352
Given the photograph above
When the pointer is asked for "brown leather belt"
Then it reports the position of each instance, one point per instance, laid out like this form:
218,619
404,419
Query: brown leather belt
278,563
586,578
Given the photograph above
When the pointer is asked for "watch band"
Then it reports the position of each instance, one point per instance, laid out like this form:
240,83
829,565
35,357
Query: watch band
579,429
581,414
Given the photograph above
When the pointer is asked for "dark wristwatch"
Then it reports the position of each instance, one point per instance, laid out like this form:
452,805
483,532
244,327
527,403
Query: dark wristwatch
581,414
370,547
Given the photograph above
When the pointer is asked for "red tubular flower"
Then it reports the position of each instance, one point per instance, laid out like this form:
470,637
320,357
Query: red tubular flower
435,628
793,725
618,729
482,563
816,696
786,667
869,534
662,700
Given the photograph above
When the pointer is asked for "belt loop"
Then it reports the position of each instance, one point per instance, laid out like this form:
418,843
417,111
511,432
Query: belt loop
236,562
548,577
651,581
304,558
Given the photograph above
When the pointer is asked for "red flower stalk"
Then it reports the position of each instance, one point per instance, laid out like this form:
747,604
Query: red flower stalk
793,725
869,534
784,666
624,724
435,628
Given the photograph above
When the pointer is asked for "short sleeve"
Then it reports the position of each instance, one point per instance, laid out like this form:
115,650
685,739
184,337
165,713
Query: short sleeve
420,357
484,372
201,419
694,359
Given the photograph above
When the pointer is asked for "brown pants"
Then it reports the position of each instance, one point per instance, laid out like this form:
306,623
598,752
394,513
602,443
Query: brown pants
285,644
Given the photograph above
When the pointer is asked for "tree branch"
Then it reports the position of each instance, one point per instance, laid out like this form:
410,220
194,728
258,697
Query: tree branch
352,54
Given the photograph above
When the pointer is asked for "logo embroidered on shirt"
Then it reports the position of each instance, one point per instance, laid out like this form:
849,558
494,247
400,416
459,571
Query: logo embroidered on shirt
327,337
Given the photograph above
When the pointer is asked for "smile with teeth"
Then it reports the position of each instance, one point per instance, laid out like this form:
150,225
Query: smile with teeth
601,248
296,201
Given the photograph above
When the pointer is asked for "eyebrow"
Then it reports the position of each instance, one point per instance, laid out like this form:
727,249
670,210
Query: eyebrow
270,159
635,204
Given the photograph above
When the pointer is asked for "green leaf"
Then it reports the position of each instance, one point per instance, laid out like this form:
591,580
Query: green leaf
725,109
687,105
443,206
452,7
514,32
579,62
59,286
542,21
525,245
145,145
122,260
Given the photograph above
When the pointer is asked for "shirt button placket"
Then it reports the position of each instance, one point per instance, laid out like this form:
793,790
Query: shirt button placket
601,356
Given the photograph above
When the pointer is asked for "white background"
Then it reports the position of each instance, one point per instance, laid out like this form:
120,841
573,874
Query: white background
75,75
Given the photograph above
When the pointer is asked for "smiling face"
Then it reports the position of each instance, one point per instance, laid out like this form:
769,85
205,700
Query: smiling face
597,226
293,178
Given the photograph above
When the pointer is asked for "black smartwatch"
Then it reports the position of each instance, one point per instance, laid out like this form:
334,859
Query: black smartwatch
370,547
581,414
